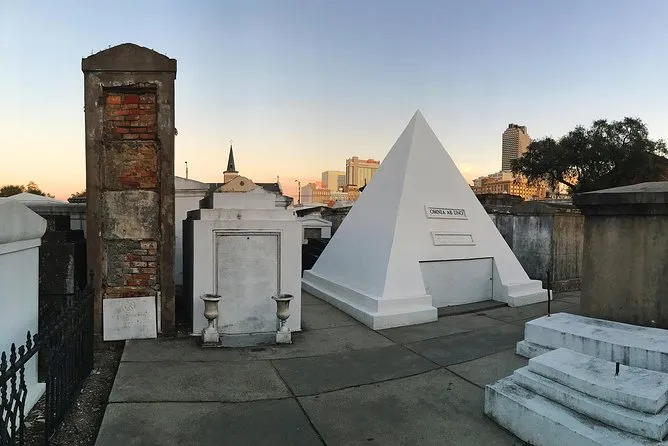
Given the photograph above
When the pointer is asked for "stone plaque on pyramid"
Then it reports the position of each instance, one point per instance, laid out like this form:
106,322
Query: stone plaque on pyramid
417,239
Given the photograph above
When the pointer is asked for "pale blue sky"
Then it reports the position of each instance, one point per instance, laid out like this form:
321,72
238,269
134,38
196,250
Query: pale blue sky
302,85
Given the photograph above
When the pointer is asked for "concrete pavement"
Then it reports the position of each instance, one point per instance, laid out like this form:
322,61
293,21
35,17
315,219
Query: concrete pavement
339,383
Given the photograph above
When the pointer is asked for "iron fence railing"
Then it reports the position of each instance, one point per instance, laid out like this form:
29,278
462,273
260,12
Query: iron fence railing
64,349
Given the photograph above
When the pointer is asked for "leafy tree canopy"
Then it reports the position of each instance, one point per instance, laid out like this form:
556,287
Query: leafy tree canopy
79,194
607,154
13,189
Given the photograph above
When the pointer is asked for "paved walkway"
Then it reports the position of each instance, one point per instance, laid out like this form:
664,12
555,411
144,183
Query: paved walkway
339,383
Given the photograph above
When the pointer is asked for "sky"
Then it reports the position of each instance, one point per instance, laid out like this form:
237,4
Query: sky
299,86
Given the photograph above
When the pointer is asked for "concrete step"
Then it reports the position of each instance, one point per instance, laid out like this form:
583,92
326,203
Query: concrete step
632,345
654,426
529,350
636,389
526,293
541,422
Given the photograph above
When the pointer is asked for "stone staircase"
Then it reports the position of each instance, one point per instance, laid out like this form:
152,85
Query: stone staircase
568,398
632,345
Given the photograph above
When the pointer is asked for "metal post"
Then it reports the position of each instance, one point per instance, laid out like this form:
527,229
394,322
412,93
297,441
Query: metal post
549,293
299,191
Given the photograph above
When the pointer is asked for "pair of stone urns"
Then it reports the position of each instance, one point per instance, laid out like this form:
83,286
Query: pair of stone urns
210,335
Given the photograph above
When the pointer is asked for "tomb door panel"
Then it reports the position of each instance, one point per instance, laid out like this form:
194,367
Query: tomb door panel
456,282
247,275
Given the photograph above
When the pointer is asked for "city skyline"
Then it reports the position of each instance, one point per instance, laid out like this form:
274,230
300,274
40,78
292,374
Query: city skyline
301,86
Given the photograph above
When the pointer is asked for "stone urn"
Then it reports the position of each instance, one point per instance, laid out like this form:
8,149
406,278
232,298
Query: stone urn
283,335
210,336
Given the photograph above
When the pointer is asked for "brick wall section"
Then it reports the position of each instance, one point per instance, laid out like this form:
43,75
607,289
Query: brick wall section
131,160
130,116
132,165
133,268
139,266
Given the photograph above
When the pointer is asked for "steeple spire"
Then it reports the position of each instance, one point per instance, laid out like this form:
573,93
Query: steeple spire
230,162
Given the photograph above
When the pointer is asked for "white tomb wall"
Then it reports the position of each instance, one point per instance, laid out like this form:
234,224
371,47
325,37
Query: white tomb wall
187,196
20,237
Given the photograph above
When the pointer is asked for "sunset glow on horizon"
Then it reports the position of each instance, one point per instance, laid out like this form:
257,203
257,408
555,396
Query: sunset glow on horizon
301,86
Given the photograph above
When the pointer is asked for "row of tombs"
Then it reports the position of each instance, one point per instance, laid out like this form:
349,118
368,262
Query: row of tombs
416,240
435,251
399,255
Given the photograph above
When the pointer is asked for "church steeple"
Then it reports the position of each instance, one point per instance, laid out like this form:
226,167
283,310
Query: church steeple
231,171
230,162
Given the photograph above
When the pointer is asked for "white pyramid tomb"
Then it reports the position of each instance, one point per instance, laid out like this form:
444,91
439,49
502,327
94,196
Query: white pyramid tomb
416,240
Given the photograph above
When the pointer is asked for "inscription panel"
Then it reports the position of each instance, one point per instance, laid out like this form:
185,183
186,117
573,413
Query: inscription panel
452,238
129,318
449,213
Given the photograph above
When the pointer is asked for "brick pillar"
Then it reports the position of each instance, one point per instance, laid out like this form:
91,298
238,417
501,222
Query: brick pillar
129,108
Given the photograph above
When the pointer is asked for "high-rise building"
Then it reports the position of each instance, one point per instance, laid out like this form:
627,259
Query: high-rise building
333,179
359,172
514,142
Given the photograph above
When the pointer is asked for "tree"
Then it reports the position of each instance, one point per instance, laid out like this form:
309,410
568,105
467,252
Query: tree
606,155
31,188
11,189
79,194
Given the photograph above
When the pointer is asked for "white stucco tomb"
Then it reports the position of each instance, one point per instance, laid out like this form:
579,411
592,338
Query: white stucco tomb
417,239
129,318
315,226
187,195
21,231
565,397
243,244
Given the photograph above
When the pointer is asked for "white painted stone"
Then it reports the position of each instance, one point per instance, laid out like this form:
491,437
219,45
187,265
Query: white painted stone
633,388
654,426
371,267
632,345
245,247
21,231
541,422
129,318
283,337
315,222
453,282
187,195
529,350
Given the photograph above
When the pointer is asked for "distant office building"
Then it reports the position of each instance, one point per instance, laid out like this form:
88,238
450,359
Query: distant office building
504,183
312,193
333,179
359,172
339,196
514,143
493,177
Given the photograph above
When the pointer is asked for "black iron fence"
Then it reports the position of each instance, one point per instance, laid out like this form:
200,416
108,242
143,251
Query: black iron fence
63,348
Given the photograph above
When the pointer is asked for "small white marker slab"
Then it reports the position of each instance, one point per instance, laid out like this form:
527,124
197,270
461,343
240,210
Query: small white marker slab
129,318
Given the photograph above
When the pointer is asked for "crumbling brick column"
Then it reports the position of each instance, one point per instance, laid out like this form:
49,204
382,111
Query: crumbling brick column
129,109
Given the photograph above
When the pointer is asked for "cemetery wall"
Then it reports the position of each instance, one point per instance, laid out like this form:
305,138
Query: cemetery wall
542,238
625,263
62,262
